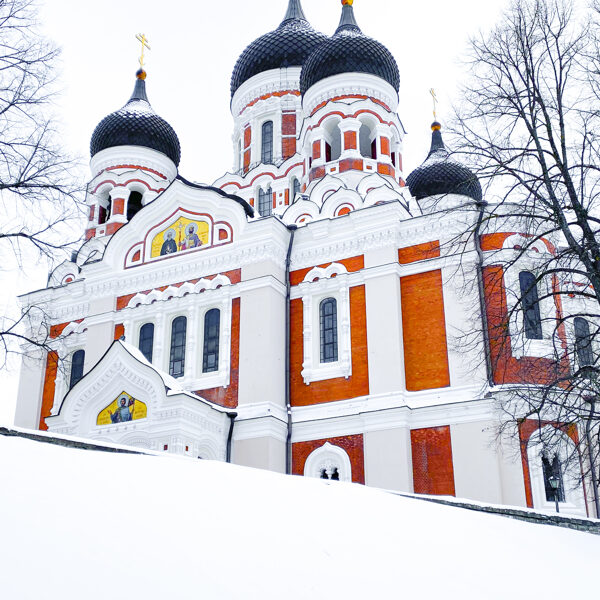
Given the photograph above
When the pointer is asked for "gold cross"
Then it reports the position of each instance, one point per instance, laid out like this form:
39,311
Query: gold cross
435,103
144,41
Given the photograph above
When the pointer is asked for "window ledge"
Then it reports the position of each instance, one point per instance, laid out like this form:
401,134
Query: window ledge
333,370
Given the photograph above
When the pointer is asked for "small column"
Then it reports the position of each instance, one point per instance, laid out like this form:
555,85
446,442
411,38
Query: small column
119,197
350,129
317,149
384,144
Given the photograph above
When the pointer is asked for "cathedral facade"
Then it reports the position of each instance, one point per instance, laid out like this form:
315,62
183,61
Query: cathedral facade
306,313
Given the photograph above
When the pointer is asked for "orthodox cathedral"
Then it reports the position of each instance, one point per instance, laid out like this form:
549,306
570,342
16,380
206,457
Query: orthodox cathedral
304,313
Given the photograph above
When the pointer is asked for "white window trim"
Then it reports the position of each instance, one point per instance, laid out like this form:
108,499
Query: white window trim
520,344
193,306
328,457
313,293
574,497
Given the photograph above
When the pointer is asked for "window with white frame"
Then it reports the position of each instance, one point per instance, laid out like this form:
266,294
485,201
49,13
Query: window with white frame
583,342
544,464
146,340
266,150
530,305
77,364
265,202
210,354
178,339
328,462
325,297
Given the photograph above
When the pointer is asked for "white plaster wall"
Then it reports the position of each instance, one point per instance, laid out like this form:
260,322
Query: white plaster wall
384,325
260,453
262,345
388,459
511,474
476,468
99,335
29,399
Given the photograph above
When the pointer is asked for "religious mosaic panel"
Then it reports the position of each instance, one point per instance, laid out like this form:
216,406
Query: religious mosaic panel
183,234
122,409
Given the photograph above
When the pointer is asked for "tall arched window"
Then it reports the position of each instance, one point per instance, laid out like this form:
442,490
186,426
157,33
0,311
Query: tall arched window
295,188
552,470
265,202
333,141
532,321
134,204
364,135
583,342
77,361
212,325
146,344
178,335
328,327
267,143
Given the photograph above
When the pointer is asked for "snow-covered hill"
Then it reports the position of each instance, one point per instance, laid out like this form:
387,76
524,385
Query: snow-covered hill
81,525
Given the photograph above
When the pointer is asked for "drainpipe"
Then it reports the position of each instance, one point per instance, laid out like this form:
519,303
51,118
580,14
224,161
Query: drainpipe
288,441
588,437
482,307
232,416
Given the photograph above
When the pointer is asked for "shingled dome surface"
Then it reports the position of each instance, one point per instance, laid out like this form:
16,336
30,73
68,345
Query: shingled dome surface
136,124
349,51
287,46
439,174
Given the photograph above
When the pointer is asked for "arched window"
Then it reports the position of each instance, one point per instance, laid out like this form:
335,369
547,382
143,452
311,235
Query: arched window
295,188
583,343
551,470
328,462
178,334
134,204
104,213
265,202
212,324
267,143
366,148
328,327
146,344
532,320
333,141
77,362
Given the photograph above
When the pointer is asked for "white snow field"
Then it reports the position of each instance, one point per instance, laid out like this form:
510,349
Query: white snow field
82,525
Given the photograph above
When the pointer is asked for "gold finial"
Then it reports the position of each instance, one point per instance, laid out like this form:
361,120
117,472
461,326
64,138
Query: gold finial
435,103
347,2
140,37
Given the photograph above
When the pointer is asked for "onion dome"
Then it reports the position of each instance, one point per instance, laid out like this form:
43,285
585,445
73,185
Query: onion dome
349,51
136,124
288,46
439,174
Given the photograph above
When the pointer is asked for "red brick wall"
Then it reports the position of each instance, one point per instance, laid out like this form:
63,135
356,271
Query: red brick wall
433,471
49,387
339,388
424,331
316,149
349,140
120,332
425,251
385,145
352,444
228,396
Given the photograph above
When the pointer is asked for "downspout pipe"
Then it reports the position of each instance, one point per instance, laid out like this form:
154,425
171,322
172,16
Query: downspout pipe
232,416
288,405
588,437
481,206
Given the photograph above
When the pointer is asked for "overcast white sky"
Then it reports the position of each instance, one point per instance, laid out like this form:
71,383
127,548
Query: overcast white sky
195,44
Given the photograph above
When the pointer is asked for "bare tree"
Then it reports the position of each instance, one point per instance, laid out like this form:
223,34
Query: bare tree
528,121
38,184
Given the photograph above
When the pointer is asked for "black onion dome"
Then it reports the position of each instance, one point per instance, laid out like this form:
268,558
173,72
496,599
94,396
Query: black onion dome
288,46
349,51
439,174
136,124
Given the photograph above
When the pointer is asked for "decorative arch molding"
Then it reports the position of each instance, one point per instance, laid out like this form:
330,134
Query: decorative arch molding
343,197
328,272
66,272
518,241
325,188
301,209
326,459
91,251
141,299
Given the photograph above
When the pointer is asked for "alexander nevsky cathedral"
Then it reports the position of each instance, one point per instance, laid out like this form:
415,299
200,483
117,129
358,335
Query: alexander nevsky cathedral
303,313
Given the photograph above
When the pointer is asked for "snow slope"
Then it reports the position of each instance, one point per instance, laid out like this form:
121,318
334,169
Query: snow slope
87,525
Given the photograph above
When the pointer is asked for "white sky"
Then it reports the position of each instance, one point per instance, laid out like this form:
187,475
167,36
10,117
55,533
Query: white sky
195,44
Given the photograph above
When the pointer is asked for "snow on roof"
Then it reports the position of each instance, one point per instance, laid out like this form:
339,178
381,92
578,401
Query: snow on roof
95,525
